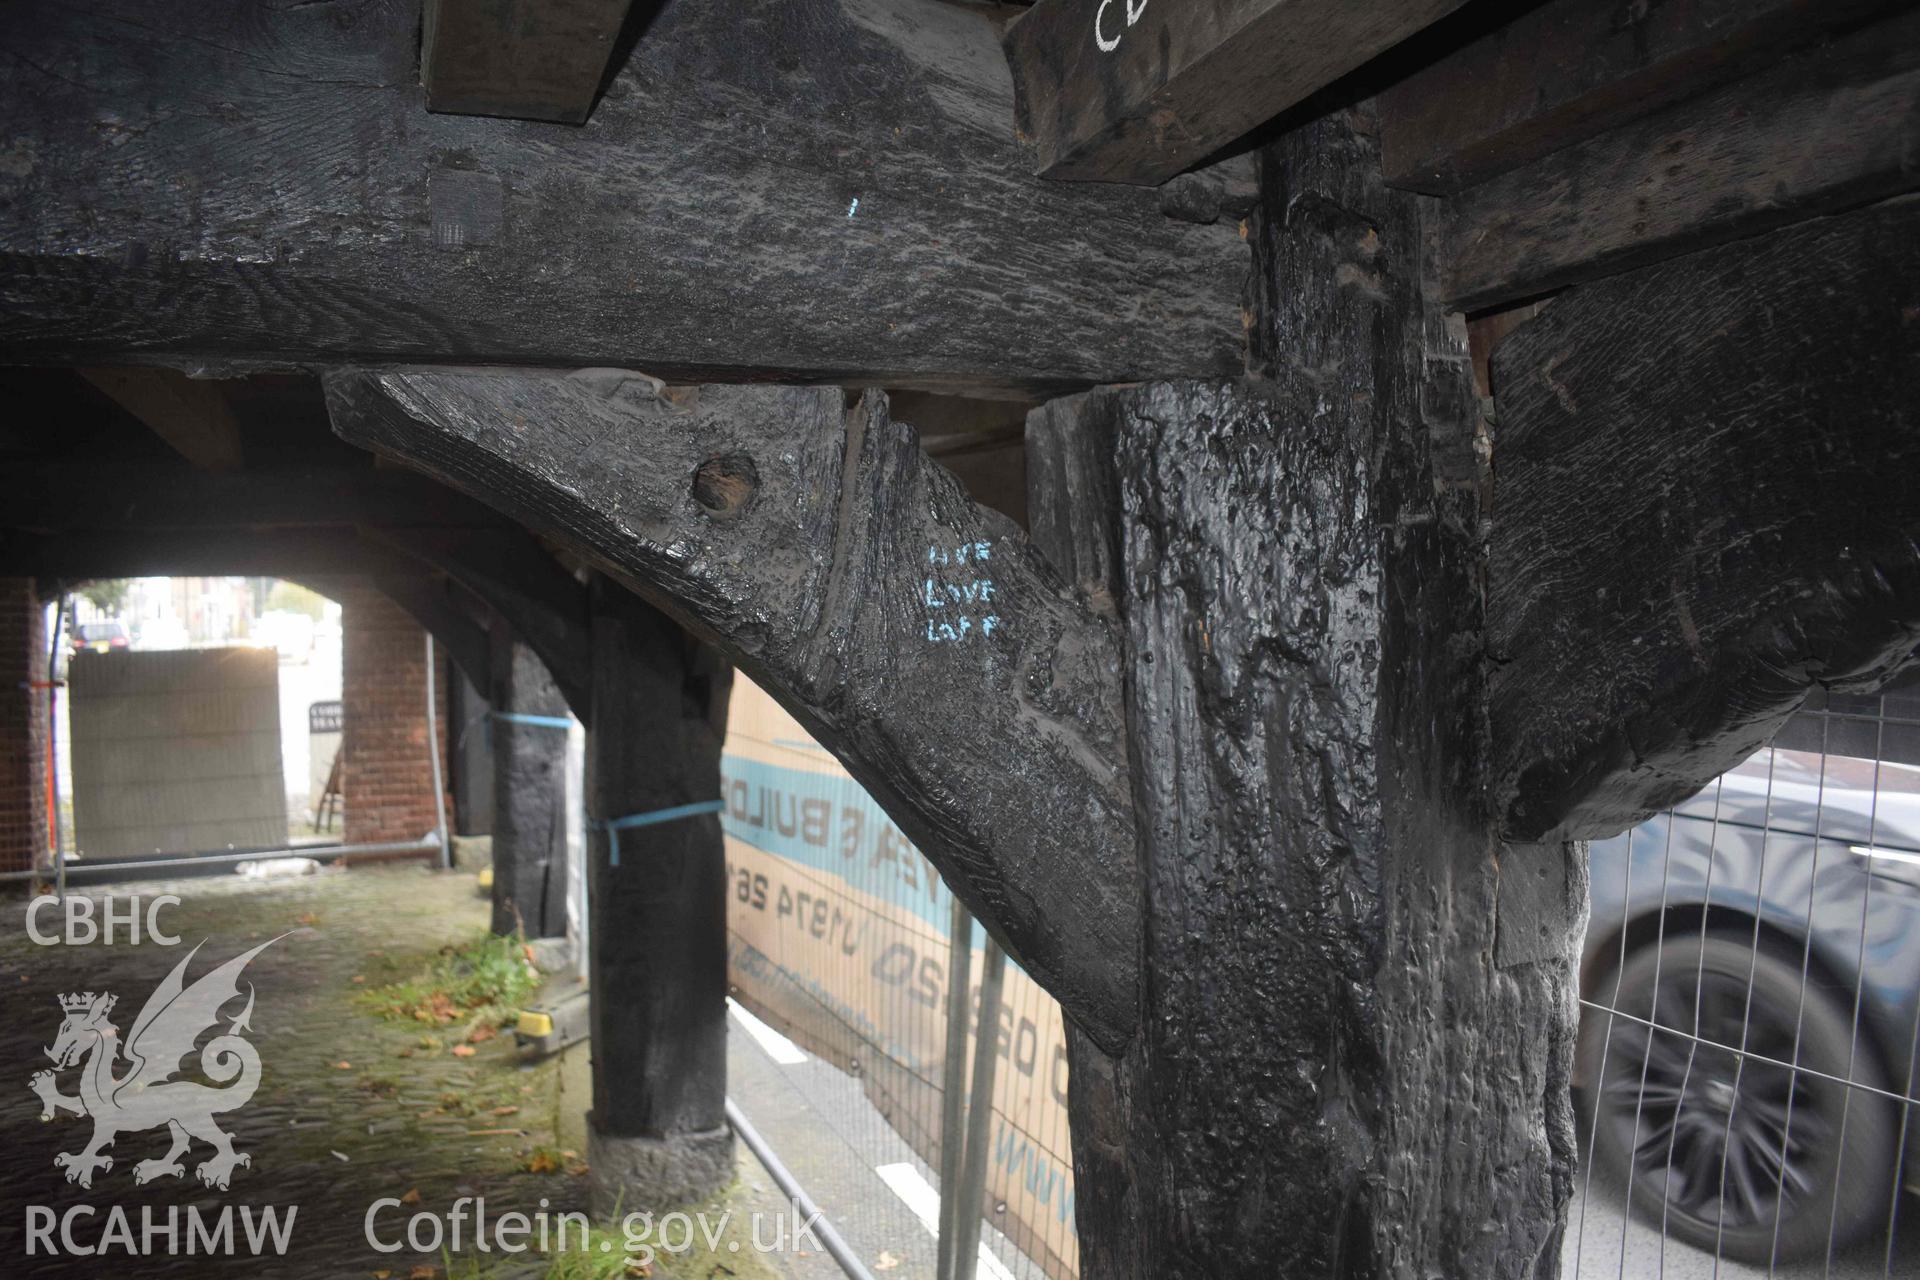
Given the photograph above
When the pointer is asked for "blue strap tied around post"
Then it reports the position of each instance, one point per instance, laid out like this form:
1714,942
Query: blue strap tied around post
614,827
538,722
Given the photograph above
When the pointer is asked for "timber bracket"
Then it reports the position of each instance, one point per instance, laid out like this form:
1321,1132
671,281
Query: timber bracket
914,633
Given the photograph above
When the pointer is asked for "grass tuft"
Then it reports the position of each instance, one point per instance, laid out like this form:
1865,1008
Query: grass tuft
483,983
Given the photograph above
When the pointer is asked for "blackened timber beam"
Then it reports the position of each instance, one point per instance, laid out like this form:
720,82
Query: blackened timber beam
1826,129
1120,91
1571,69
191,415
800,190
118,495
514,575
1706,505
912,632
276,553
532,61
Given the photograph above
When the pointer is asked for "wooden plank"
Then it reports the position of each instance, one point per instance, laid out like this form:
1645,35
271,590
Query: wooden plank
192,415
816,547
528,59
1127,91
808,190
1706,503
1566,71
1824,130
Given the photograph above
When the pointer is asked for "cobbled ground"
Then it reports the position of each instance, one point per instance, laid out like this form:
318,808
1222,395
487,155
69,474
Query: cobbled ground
351,1106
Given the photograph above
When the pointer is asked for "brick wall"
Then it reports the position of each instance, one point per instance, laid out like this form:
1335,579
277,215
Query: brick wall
385,777
23,726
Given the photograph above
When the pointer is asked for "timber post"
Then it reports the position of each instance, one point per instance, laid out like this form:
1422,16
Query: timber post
1297,584
528,725
657,1134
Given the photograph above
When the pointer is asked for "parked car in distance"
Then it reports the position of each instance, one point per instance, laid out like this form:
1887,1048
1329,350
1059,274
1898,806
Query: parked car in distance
1770,921
99,636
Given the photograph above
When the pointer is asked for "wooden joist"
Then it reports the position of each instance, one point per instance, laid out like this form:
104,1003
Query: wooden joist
1825,129
192,415
1129,91
110,494
1571,69
803,190
1705,504
529,59
816,547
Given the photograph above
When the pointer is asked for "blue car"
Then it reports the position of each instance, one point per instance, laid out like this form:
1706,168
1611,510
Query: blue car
1770,921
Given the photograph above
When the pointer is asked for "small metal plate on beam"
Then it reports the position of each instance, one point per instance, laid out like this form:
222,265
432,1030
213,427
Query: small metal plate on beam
467,208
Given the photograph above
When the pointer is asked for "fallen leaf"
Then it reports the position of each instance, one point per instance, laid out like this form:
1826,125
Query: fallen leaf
506,1111
412,1197
359,977
888,1261
423,1272
343,1065
482,1033
463,1051
542,1162
309,919
383,1275
636,1267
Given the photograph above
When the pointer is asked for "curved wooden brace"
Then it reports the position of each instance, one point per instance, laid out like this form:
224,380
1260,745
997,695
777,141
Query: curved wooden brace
915,634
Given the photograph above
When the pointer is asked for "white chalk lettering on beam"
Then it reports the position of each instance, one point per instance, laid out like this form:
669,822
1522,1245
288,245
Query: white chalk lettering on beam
957,594
1109,44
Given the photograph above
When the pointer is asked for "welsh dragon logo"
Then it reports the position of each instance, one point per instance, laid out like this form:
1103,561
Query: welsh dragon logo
145,1095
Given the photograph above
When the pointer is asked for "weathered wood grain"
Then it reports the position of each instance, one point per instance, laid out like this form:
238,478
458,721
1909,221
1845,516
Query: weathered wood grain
1706,505
802,190
820,550
1306,684
1823,130
1128,91
191,415
531,61
1563,72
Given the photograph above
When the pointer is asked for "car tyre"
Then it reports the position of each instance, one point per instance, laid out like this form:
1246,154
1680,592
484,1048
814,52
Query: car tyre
1691,1110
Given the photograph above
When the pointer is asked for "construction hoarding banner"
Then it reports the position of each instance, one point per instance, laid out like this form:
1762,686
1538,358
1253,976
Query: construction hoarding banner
838,936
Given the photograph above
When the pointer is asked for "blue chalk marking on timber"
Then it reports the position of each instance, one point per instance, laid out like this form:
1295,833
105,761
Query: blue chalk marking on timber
538,722
614,827
853,206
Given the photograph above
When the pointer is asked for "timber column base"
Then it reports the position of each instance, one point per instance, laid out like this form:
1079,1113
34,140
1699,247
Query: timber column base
638,1174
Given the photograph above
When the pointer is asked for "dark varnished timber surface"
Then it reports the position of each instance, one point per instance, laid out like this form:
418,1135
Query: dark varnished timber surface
1299,592
1565,71
1826,129
529,793
802,190
796,532
1132,91
533,62
1706,504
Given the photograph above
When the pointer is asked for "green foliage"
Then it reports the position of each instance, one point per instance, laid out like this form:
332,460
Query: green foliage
294,598
107,594
483,982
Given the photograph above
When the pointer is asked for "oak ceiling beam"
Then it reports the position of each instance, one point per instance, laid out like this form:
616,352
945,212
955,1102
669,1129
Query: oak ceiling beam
803,190
1571,69
118,495
191,414
1132,91
1826,129
528,59
913,633
1705,507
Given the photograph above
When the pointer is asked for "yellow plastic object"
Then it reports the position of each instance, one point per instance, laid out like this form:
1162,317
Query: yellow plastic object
486,877
534,1024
